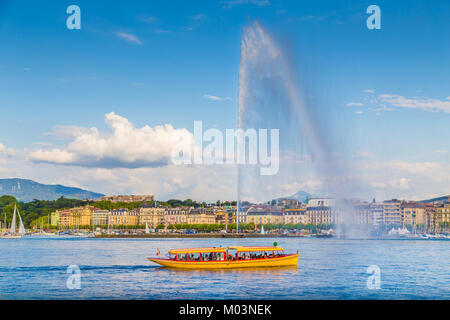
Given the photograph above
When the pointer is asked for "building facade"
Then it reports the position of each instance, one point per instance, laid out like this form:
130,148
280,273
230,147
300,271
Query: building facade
152,216
264,215
392,213
123,217
100,217
295,216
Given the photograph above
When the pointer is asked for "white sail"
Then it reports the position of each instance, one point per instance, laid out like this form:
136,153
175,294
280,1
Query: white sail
146,228
13,223
262,230
21,226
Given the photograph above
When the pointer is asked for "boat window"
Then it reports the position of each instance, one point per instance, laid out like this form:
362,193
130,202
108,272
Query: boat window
182,257
243,255
195,256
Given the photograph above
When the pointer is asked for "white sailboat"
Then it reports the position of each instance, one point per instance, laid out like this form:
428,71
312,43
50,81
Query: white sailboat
146,228
13,234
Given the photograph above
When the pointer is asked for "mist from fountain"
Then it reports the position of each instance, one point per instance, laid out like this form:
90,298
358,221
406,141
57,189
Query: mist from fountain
270,97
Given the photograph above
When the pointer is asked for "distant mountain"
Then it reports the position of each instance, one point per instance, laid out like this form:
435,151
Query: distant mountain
28,190
444,199
299,196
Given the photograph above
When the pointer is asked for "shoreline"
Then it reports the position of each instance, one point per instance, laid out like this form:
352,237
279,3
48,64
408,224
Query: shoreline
200,235
243,235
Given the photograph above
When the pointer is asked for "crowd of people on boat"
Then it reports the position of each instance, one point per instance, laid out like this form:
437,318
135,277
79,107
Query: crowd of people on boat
220,256
258,255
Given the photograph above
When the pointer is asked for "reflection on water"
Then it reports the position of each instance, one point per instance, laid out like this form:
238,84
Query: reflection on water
253,271
35,268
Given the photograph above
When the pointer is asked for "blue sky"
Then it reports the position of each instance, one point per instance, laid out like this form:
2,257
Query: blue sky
154,62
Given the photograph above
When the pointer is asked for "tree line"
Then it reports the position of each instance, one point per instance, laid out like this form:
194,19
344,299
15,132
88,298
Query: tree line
37,211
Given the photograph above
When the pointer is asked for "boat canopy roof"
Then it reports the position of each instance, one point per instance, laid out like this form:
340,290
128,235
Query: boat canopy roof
247,249
197,250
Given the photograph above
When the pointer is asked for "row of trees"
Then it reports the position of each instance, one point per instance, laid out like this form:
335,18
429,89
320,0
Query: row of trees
36,212
33,210
173,203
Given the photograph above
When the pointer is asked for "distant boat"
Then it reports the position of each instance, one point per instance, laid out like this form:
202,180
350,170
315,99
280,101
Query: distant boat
262,230
13,234
146,228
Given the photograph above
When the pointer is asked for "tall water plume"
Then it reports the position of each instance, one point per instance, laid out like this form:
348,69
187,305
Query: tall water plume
270,98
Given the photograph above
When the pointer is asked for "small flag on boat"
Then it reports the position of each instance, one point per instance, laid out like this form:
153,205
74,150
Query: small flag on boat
157,252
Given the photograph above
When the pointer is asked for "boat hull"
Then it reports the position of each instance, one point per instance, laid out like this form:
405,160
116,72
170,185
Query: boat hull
288,260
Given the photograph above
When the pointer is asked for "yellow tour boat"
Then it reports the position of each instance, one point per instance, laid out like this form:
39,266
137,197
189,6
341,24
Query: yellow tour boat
226,258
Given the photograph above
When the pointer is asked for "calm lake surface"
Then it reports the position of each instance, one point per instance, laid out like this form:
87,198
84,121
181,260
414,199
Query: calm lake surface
36,268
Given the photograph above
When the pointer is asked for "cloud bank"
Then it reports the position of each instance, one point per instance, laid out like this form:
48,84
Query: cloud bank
126,147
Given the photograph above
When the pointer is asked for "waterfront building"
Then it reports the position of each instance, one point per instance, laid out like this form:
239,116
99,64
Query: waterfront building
178,215
264,215
225,215
128,198
100,217
55,218
73,217
431,221
201,216
362,214
442,218
81,216
413,214
64,218
392,213
123,217
377,214
321,202
320,211
151,215
295,216
320,215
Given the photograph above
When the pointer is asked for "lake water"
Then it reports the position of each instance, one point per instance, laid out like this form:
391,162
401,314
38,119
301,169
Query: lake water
36,268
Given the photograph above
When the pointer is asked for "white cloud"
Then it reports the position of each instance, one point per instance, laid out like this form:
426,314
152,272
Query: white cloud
199,17
67,132
405,180
161,31
215,98
380,109
369,91
232,3
354,104
376,178
125,147
8,152
359,112
415,103
128,37
150,19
